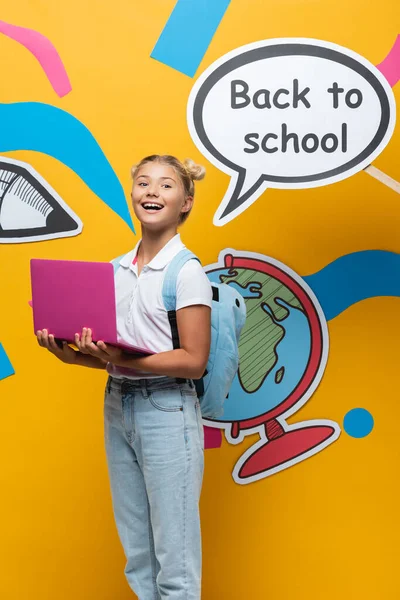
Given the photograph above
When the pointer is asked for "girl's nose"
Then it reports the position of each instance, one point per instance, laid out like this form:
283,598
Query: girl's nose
152,191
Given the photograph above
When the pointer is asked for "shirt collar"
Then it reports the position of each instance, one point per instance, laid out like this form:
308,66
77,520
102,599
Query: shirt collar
164,256
126,260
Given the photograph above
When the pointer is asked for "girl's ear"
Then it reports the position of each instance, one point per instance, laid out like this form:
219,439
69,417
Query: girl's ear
187,204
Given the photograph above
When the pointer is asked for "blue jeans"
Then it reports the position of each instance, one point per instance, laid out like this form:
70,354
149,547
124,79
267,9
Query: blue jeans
155,453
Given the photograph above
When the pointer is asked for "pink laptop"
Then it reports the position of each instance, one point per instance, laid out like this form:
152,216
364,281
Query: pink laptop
68,295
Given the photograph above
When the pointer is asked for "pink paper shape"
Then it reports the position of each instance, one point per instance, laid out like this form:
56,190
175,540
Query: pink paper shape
212,438
390,66
44,51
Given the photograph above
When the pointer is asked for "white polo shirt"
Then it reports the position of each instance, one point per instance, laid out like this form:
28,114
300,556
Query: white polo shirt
141,316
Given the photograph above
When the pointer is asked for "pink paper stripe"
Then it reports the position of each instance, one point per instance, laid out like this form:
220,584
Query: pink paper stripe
390,66
44,51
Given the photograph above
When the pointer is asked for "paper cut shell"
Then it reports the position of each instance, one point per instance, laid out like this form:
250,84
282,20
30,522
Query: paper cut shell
30,209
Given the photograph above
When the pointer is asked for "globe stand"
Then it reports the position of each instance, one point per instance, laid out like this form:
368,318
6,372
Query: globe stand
282,448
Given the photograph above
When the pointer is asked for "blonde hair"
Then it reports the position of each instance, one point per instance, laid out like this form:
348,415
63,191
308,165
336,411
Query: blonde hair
188,172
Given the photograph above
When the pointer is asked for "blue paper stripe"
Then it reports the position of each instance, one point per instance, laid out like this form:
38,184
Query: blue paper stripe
45,128
355,277
188,33
6,368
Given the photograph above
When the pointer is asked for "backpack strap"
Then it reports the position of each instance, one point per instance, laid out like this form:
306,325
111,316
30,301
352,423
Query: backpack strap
169,290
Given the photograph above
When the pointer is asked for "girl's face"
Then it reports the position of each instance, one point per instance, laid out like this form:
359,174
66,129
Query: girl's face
158,197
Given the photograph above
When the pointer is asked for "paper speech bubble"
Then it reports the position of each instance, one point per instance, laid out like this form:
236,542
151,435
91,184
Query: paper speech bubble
289,113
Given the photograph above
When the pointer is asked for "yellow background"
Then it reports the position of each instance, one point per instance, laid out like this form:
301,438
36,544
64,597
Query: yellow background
326,528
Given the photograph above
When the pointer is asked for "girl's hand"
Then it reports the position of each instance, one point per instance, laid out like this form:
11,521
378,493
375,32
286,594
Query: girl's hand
65,353
100,350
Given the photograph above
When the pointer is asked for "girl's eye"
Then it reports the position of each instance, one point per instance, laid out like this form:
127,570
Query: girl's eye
142,183
167,185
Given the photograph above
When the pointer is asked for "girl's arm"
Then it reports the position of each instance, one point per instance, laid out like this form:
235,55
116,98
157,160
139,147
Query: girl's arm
194,327
189,362
86,360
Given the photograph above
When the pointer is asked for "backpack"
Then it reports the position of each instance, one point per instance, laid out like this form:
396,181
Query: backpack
228,315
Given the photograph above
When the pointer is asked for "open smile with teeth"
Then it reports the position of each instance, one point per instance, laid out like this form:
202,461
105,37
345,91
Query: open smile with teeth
150,206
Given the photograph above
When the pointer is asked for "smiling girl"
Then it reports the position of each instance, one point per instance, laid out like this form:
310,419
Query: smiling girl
153,429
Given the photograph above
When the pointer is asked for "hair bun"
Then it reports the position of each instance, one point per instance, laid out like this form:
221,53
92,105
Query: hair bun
195,172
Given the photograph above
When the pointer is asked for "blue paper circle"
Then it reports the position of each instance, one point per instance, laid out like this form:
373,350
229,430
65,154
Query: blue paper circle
358,423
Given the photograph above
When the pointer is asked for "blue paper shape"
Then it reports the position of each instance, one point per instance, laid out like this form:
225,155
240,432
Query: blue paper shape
355,277
45,128
6,368
358,423
188,33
